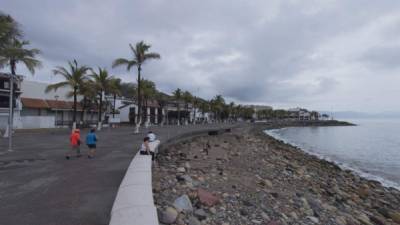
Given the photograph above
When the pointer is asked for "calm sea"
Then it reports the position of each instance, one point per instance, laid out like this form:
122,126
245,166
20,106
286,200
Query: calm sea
372,149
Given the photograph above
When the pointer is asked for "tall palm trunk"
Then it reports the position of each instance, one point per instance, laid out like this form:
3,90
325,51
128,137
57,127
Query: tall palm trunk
100,106
84,106
11,105
187,114
179,115
75,105
139,117
194,114
115,99
99,121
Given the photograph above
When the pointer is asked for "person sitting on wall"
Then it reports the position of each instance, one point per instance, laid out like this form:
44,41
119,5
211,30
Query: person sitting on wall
145,148
153,142
152,136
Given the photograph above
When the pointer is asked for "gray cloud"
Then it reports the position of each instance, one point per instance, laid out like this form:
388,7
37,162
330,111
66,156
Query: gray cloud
284,53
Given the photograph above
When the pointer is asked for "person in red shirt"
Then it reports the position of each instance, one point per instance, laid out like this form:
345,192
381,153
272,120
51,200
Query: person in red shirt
75,141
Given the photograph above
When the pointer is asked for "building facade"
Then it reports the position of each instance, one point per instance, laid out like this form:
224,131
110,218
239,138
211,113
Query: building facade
36,108
5,99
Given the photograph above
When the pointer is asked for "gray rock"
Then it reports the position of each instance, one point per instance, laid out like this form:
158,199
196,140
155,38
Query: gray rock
181,170
200,214
212,210
193,221
187,165
183,203
243,212
187,178
265,216
256,221
168,216
313,219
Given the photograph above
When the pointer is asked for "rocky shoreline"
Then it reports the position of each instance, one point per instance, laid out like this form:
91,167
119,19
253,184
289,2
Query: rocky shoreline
248,177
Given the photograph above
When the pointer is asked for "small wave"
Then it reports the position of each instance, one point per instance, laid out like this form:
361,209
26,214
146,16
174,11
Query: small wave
275,133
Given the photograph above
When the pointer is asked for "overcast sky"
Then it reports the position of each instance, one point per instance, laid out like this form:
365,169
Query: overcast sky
323,55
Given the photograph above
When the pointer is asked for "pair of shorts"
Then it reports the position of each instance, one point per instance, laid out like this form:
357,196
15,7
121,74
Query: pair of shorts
146,153
91,145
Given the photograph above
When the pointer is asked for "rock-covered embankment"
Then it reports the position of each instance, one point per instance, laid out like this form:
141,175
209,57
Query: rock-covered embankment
246,177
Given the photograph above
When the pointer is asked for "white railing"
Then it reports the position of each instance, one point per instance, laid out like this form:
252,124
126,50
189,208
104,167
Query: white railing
134,203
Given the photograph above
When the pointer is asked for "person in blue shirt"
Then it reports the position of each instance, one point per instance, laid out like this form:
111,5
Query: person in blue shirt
91,140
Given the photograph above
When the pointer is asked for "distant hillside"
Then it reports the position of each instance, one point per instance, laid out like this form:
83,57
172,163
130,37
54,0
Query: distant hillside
363,115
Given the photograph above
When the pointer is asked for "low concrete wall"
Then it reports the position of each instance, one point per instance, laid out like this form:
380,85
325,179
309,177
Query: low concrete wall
134,202
30,122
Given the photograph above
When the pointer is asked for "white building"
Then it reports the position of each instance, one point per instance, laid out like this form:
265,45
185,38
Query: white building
5,99
37,109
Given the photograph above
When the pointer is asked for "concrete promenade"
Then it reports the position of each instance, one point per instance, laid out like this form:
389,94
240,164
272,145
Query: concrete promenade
38,186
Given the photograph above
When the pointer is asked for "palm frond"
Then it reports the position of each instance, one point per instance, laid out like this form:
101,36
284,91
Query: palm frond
120,62
131,64
56,86
62,71
31,64
152,55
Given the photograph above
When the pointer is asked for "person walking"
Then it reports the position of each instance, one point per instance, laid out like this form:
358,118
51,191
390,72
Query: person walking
91,140
75,141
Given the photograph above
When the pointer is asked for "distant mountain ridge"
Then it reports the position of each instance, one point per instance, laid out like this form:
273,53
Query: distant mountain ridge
362,115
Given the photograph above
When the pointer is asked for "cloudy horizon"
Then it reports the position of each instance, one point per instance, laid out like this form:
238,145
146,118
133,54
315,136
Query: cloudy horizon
322,55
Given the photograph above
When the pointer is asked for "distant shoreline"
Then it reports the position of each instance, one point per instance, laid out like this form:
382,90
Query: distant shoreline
384,182
276,124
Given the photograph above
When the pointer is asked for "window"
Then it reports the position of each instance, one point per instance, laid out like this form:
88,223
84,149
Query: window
4,100
6,85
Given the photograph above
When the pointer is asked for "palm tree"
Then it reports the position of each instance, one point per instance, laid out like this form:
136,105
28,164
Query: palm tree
196,102
187,97
8,30
74,78
115,90
88,91
140,56
148,92
11,53
102,83
217,105
178,96
162,100
204,107
231,107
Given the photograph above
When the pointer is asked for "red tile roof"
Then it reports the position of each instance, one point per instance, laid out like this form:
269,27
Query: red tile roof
34,103
49,104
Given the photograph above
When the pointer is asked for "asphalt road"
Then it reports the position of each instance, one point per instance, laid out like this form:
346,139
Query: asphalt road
38,186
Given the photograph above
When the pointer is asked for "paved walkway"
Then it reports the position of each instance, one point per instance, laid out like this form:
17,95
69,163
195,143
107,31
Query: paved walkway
39,187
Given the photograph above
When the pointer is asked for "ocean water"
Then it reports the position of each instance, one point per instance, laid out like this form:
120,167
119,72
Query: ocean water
371,149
